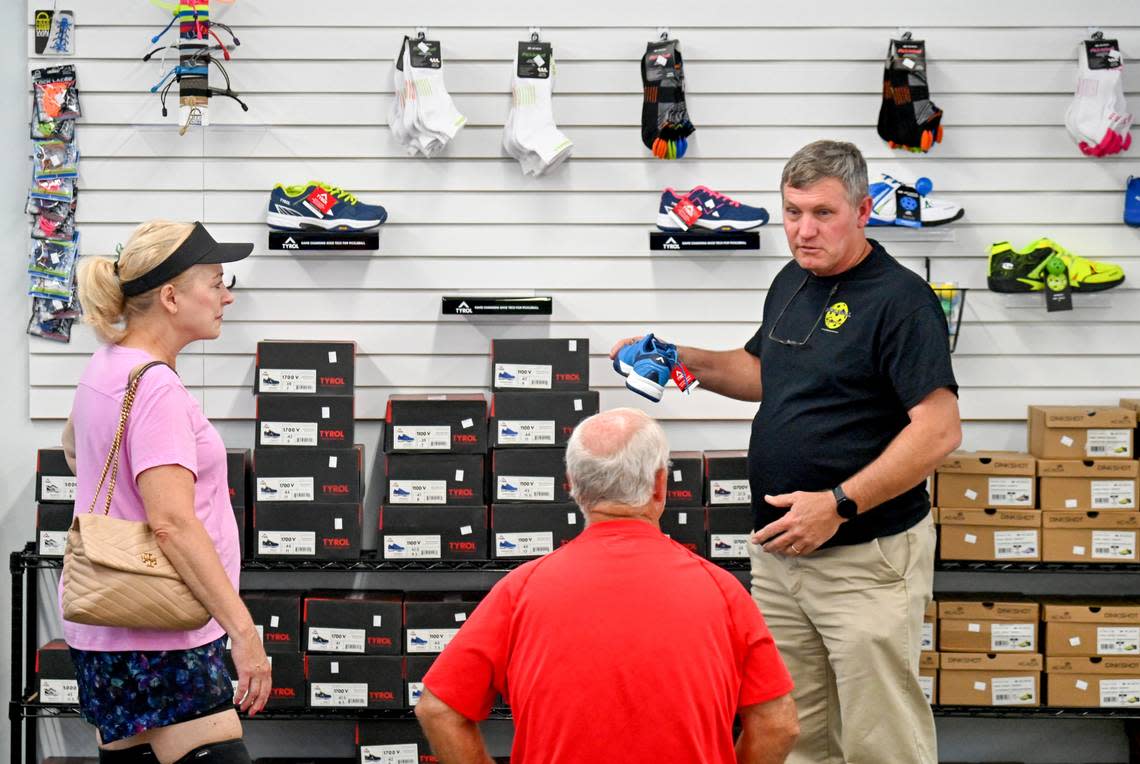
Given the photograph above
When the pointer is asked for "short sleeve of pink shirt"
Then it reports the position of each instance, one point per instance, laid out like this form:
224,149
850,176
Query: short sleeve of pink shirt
160,431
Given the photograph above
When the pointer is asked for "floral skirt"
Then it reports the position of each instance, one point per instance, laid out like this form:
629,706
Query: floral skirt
126,693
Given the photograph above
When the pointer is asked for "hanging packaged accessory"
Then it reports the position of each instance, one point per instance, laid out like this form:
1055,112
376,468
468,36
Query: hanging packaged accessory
665,124
908,119
54,258
53,189
530,134
1098,118
54,159
114,571
56,92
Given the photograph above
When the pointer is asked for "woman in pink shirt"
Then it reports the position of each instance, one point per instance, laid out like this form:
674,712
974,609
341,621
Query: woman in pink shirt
163,695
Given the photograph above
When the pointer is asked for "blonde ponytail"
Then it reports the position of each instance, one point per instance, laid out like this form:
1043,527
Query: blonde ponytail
105,307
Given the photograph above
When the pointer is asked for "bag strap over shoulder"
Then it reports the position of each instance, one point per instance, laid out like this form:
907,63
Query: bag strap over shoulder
112,462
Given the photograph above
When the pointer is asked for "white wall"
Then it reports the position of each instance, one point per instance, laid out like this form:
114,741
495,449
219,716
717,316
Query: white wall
762,80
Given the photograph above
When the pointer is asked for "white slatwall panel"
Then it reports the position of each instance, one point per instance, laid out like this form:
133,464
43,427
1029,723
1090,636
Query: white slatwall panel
761,83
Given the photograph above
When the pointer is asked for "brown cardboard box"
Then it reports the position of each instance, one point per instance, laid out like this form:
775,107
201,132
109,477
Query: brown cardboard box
1094,682
1077,432
1130,403
990,534
989,679
1088,483
977,625
978,479
930,628
1089,628
928,675
1072,536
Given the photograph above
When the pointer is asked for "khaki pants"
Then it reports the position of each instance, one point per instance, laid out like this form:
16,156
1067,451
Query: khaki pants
848,623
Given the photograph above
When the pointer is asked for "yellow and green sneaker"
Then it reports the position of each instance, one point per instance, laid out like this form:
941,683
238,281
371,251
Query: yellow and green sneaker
1028,269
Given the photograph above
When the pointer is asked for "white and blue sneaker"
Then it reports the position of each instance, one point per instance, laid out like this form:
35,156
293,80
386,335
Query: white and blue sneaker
648,365
319,205
704,208
889,195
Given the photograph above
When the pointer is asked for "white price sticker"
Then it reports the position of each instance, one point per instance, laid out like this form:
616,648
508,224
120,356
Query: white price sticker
1113,494
927,636
429,640
730,492
59,691
1114,443
420,547
285,489
1114,545
524,544
523,376
287,381
927,685
348,695
415,693
298,543
1013,691
426,438
1012,637
336,640
403,753
1015,545
288,434
526,432
1010,492
1120,693
728,546
58,487
417,491
52,543
1118,640
522,488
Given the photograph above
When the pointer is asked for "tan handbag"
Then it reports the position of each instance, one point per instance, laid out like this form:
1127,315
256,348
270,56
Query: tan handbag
114,573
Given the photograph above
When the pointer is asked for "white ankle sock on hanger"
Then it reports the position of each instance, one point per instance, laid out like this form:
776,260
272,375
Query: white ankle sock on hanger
530,134
423,117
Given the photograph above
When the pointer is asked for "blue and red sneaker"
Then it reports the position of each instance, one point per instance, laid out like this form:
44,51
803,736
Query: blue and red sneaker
704,208
319,205
647,366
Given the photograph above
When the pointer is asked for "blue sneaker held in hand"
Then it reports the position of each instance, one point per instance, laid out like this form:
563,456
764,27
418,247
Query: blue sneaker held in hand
647,366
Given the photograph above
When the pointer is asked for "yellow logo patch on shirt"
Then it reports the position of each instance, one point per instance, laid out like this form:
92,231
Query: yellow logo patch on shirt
836,315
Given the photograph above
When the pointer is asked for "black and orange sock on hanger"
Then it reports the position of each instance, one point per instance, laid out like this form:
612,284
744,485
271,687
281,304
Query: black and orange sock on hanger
665,124
908,119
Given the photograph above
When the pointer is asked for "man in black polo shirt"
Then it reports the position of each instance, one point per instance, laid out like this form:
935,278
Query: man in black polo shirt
852,363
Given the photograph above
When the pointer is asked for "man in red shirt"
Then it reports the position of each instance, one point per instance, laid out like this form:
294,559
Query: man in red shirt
620,646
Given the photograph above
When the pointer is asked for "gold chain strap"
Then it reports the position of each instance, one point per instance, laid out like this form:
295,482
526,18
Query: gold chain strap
112,462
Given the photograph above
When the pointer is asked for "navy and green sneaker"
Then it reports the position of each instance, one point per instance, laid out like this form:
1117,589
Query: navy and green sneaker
1028,269
319,205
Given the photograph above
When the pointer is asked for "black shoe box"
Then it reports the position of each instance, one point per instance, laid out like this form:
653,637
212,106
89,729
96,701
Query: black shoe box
293,367
237,470
288,689
304,421
55,674
277,616
538,419
729,531
686,485
433,532
355,681
432,619
332,475
530,475
454,423
241,520
531,530
306,531
417,668
688,526
540,364
55,482
368,623
52,524
432,479
398,742
726,478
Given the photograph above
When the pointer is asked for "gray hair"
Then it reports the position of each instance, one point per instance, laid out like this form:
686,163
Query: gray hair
624,472
828,159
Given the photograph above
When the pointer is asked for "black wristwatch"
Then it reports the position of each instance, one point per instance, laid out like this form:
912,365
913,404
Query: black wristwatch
844,507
